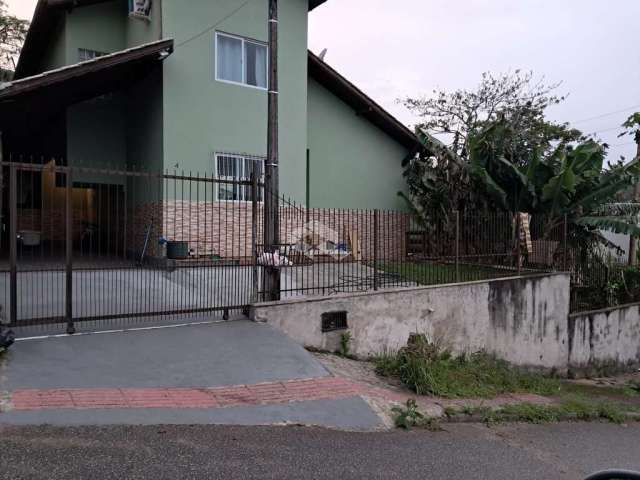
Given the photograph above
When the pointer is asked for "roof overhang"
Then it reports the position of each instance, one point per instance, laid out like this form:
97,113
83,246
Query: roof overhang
362,104
55,90
315,3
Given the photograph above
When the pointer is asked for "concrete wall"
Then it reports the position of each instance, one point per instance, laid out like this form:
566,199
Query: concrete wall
353,164
523,320
604,338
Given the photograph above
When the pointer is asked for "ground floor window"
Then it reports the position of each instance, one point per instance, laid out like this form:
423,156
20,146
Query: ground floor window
238,167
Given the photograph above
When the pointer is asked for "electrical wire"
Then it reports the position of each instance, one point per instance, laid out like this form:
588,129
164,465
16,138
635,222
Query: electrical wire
604,115
211,27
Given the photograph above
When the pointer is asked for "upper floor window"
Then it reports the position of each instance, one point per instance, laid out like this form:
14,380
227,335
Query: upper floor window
240,60
85,54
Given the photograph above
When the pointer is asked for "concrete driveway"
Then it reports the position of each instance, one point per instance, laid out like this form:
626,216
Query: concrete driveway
227,373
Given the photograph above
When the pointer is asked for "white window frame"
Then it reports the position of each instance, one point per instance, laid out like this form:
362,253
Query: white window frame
244,40
244,190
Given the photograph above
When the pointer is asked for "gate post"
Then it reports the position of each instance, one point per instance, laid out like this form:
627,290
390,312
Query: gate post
69,252
13,244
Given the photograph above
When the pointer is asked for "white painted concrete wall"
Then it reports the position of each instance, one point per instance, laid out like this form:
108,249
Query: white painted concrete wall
605,338
522,320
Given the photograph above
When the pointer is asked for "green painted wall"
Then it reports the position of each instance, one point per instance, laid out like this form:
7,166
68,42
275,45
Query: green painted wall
56,53
144,137
96,135
140,31
353,164
203,116
100,27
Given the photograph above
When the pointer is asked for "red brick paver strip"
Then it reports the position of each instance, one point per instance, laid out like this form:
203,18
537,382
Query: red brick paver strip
183,398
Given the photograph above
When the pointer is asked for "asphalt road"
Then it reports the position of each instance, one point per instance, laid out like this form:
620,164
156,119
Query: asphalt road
518,452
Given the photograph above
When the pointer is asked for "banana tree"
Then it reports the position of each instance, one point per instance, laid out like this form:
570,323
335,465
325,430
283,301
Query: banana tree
570,182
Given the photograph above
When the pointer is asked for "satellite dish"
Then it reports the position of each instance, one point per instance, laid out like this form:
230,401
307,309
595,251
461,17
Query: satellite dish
323,53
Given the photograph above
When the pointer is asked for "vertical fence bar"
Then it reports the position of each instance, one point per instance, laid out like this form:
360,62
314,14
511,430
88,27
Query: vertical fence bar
376,221
69,251
13,244
457,247
565,232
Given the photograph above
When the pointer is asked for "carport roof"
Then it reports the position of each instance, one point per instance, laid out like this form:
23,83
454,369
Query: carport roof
56,89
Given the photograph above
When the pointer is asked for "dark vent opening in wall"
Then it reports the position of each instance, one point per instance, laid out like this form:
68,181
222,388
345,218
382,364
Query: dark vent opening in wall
332,321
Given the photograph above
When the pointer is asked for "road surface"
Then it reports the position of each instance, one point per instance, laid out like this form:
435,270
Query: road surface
518,452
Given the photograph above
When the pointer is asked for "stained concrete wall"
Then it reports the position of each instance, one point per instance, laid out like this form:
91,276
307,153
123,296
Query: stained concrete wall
522,320
604,338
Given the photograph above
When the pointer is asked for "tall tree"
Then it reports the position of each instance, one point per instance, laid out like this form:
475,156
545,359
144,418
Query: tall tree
449,120
632,127
13,32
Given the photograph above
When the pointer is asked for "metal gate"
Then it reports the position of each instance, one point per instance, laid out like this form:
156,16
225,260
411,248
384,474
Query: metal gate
89,246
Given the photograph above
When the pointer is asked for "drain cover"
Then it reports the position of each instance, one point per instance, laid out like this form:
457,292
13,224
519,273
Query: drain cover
332,321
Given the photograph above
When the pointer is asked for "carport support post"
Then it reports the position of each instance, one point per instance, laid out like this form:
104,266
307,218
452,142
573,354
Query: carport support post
13,243
69,251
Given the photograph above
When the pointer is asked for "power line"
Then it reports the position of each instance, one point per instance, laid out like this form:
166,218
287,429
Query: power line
211,27
607,114
607,130
622,144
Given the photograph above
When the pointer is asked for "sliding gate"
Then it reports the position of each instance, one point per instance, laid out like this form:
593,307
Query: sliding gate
86,246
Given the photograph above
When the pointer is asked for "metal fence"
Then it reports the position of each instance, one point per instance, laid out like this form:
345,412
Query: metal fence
87,246
84,247
327,251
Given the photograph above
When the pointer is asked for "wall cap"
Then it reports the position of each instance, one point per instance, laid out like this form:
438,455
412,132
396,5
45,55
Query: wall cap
344,296
586,313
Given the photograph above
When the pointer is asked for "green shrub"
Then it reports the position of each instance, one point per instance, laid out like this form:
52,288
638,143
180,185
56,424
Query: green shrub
429,370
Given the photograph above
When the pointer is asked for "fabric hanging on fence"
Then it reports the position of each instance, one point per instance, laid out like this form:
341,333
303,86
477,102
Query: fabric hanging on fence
525,232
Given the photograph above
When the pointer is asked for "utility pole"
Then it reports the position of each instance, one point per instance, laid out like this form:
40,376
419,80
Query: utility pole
633,241
271,178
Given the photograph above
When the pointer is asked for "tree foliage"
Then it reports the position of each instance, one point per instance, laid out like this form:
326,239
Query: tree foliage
13,32
500,152
440,176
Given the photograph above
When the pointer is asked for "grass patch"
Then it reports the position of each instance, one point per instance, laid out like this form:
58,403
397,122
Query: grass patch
569,410
579,410
428,370
428,273
632,388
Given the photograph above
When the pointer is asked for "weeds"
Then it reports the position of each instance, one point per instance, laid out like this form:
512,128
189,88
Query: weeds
633,387
577,410
345,345
407,416
430,370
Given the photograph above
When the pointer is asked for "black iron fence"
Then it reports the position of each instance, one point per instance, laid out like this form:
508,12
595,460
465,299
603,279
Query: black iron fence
327,251
85,246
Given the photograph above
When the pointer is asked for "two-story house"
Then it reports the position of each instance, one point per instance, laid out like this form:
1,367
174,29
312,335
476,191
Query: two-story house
167,84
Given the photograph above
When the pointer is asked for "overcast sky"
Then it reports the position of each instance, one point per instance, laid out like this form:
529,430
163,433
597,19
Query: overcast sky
395,48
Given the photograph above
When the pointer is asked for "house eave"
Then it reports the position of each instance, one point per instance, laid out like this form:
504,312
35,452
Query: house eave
55,90
361,103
